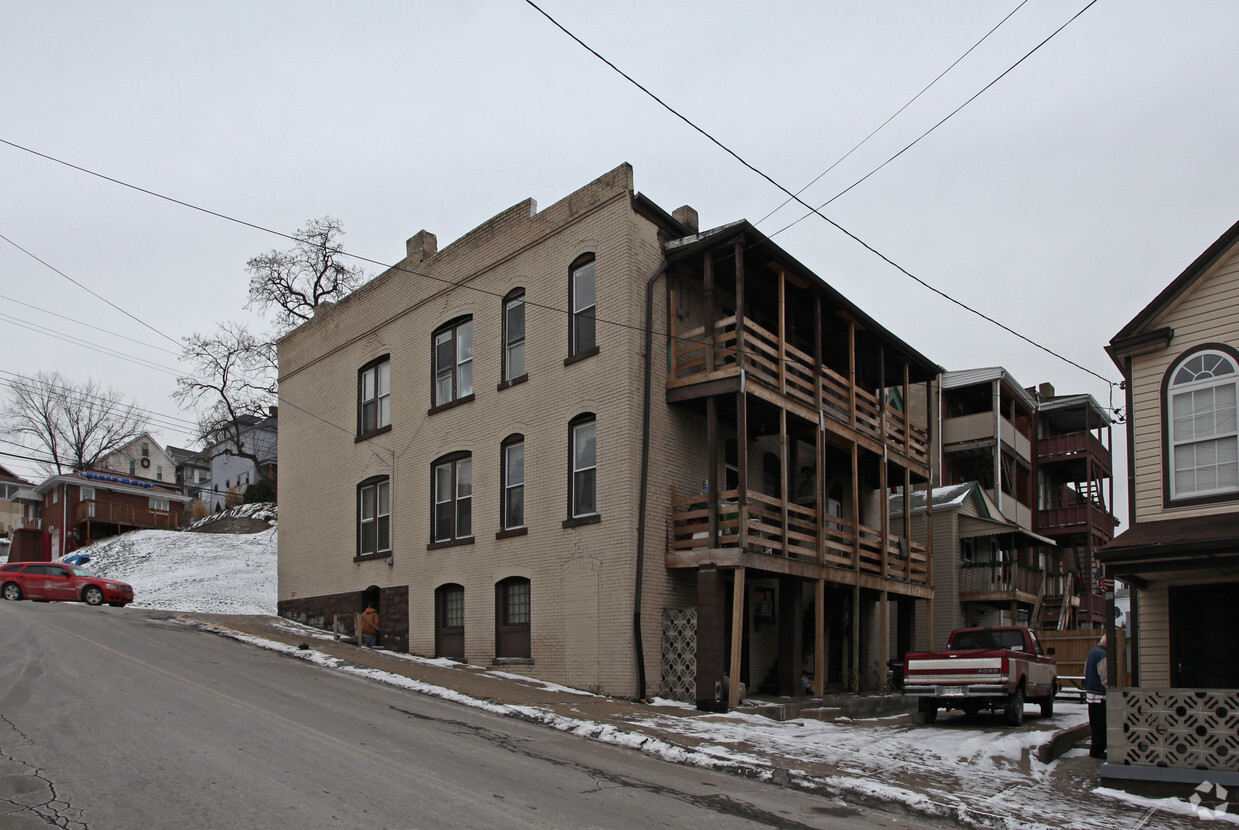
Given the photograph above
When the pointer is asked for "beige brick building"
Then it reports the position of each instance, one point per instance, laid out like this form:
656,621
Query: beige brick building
525,448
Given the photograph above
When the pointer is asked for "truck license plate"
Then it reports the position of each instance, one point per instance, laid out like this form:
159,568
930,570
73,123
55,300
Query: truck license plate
951,691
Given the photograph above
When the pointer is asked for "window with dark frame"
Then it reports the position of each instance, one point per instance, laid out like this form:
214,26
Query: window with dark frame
513,612
513,473
374,517
514,336
584,335
1202,426
453,362
452,518
374,396
583,500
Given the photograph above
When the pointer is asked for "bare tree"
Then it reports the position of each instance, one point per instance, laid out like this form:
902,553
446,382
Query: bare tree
293,283
75,424
233,385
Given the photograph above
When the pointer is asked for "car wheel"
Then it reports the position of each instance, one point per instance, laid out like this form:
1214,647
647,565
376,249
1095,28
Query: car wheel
12,591
117,604
1015,708
92,595
1047,705
929,710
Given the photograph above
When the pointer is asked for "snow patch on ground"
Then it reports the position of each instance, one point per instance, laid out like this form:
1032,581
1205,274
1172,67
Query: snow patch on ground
203,573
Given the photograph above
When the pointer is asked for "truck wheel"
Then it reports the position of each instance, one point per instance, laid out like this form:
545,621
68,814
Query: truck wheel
1015,708
1047,704
929,709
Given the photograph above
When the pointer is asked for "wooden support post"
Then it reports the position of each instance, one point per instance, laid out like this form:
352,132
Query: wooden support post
854,681
712,469
787,481
711,312
742,470
737,637
819,637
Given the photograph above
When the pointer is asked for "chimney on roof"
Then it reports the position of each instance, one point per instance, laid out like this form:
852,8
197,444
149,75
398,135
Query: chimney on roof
1045,391
274,410
685,215
421,246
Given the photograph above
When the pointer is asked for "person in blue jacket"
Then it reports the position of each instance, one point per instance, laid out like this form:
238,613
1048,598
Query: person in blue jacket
1095,696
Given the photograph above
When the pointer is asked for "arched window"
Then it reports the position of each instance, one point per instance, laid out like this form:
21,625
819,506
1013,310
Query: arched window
583,474
453,362
512,467
374,517
583,337
512,616
1201,428
514,336
452,511
374,396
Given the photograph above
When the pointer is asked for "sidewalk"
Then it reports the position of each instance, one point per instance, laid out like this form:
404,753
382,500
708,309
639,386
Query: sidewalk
976,776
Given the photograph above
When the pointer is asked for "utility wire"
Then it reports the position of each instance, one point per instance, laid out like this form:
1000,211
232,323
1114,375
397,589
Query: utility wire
940,123
814,210
893,115
88,325
79,285
87,344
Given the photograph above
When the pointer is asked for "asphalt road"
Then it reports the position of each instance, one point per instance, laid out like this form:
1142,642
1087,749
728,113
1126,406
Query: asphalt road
121,718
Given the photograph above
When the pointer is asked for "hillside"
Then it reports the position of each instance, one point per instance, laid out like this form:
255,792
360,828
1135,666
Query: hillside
202,572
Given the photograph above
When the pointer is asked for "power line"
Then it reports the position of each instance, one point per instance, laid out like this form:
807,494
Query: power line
88,345
893,116
814,210
84,288
940,123
89,326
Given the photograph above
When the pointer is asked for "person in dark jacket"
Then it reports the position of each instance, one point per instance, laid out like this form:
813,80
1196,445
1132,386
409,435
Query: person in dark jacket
1095,695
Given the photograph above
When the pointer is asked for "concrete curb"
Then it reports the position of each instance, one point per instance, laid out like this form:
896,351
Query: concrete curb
1061,742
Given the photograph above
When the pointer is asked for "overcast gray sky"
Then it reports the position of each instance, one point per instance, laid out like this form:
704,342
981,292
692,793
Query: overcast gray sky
1060,201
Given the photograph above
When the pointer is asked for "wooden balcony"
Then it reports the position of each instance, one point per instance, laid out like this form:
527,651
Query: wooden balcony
760,527
778,368
124,515
979,428
1058,522
1000,582
1078,448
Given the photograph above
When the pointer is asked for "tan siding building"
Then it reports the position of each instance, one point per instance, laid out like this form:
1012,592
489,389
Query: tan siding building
1180,358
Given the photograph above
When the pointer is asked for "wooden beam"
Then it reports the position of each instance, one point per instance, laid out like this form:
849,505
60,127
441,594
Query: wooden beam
737,638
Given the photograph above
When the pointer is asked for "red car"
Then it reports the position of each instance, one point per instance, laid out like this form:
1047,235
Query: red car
45,581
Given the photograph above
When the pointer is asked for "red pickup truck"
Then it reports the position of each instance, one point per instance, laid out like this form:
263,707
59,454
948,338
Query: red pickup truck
995,668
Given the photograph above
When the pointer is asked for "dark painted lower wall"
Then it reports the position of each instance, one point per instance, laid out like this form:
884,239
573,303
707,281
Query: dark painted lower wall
319,612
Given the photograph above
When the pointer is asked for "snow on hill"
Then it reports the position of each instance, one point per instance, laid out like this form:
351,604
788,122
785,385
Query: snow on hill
205,573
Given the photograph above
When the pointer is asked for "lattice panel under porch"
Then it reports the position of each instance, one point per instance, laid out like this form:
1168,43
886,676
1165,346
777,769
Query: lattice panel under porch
680,654
1179,728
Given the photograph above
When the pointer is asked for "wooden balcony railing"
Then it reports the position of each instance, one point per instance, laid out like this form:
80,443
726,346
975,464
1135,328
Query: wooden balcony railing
1074,519
1001,578
792,372
841,544
1072,446
126,515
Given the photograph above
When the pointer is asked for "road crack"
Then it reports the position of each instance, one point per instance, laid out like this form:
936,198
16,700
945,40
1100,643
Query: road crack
27,788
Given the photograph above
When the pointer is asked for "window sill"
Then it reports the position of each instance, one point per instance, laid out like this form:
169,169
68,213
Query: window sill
382,556
366,436
453,543
512,661
1195,501
450,405
578,521
516,531
507,384
577,358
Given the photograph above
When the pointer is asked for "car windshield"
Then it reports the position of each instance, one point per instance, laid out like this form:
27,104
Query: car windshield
78,570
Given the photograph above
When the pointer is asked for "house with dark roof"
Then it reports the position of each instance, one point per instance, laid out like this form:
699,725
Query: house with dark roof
82,507
1179,356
